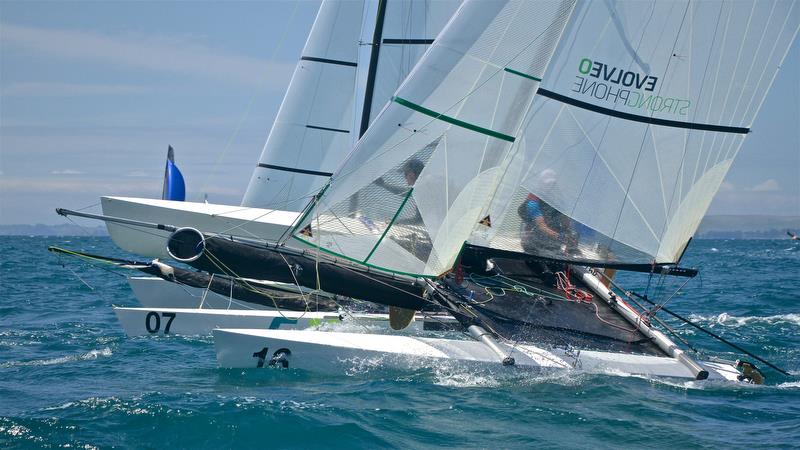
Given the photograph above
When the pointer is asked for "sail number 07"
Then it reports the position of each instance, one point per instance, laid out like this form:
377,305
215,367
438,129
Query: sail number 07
152,321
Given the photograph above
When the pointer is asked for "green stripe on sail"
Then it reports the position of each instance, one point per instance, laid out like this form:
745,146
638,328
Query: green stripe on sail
391,222
372,266
523,75
452,120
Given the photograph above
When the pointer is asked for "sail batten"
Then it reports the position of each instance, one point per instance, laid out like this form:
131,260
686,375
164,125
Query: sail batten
328,61
295,170
451,120
524,75
409,41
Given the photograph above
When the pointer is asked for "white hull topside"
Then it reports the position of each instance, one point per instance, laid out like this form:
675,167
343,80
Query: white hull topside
340,353
241,221
193,322
154,292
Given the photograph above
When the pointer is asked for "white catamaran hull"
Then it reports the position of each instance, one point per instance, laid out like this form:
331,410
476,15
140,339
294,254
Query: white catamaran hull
154,292
266,224
338,353
190,322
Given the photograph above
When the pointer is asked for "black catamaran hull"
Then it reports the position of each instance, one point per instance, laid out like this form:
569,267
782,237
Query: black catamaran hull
516,316
249,291
239,259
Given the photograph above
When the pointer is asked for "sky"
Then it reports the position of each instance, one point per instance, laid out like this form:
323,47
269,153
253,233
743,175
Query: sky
92,93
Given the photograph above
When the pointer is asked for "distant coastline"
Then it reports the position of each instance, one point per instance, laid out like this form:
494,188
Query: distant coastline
712,227
747,227
65,229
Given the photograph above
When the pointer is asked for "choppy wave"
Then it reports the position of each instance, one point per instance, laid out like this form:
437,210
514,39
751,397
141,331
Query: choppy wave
90,355
71,379
728,320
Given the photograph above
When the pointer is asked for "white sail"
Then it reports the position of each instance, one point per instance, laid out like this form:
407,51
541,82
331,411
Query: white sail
451,124
639,116
406,29
299,156
311,133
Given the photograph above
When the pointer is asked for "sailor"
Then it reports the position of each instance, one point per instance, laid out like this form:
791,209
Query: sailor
416,243
411,170
412,238
545,230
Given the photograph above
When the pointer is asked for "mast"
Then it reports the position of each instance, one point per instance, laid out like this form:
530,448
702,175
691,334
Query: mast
373,66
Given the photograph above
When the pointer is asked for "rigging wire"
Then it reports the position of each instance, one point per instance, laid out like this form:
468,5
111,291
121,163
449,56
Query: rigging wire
631,294
249,106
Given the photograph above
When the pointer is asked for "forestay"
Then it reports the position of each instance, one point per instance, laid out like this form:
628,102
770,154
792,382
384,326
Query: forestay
409,195
638,119
311,133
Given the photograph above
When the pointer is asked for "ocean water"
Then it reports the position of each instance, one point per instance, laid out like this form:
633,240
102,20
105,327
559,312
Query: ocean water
70,378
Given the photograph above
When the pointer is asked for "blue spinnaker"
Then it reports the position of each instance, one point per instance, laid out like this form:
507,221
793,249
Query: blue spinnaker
174,186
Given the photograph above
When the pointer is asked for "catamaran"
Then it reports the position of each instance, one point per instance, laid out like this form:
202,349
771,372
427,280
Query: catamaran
551,143
620,119
309,138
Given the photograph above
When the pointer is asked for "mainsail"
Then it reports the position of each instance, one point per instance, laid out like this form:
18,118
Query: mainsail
409,195
335,93
403,31
311,133
638,118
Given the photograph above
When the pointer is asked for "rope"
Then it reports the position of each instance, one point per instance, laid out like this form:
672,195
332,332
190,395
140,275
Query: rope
77,276
572,292
659,306
226,270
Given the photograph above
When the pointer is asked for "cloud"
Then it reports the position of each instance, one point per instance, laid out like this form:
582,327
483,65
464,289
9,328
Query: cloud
97,186
727,186
144,51
66,172
44,89
139,174
770,185
11,185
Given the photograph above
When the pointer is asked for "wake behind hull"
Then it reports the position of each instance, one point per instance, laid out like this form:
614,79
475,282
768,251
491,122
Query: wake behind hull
341,353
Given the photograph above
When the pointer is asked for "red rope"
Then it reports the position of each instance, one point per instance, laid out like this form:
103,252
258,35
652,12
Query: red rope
571,292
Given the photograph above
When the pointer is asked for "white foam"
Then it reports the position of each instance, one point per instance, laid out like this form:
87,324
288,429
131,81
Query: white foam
728,320
15,430
453,376
90,355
